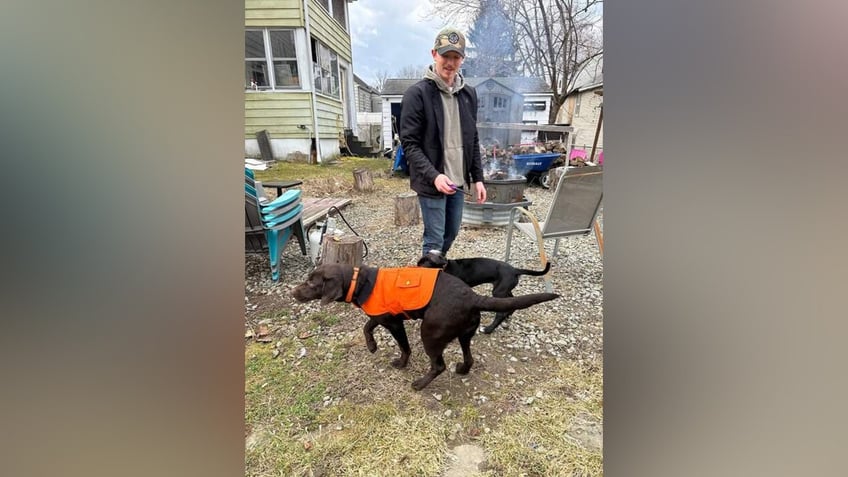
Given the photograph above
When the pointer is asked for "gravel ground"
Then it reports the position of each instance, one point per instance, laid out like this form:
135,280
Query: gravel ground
570,327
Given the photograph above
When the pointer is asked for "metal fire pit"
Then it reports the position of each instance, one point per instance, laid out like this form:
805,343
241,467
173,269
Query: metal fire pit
505,191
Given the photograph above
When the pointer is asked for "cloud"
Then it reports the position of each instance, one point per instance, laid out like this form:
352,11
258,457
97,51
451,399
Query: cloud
388,35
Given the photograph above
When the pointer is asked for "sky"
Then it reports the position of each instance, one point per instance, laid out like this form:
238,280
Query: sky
390,34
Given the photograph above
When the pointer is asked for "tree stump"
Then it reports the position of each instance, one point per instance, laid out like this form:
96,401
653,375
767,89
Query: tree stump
554,175
407,210
363,181
346,249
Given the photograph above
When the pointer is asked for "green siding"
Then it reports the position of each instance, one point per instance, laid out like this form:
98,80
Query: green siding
327,29
279,113
330,121
273,13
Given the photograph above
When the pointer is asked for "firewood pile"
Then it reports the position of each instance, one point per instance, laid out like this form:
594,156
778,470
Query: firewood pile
497,160
578,161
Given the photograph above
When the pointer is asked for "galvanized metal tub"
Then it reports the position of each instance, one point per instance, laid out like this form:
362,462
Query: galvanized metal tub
490,213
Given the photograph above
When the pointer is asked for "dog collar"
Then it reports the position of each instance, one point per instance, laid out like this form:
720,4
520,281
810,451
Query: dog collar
352,285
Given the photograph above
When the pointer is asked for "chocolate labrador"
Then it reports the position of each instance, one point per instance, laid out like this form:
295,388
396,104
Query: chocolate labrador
446,306
475,271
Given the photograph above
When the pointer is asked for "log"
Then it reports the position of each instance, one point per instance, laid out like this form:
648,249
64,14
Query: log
346,249
363,180
407,210
554,175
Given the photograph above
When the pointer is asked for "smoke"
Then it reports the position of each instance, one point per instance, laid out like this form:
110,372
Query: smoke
501,166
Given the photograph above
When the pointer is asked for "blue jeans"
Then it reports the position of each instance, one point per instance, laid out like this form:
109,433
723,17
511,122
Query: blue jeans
442,217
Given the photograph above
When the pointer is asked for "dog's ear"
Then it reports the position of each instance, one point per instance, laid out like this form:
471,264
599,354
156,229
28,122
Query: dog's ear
332,287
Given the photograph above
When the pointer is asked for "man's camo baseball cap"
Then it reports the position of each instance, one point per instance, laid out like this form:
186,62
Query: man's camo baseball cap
450,39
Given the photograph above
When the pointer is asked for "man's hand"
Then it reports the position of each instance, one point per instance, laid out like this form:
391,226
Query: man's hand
481,192
443,184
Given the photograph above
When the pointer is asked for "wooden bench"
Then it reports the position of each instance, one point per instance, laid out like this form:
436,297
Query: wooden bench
315,209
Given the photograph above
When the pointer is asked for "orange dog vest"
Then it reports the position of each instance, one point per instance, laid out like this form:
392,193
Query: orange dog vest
399,289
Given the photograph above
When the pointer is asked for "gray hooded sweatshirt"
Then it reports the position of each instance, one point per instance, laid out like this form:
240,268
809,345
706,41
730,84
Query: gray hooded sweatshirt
452,140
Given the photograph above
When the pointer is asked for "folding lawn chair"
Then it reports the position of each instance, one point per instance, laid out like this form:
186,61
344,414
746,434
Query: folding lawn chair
573,211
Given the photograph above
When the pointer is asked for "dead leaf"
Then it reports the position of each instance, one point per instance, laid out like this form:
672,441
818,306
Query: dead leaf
263,330
248,333
307,445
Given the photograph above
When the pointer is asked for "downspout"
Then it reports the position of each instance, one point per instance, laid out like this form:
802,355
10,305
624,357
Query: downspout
311,76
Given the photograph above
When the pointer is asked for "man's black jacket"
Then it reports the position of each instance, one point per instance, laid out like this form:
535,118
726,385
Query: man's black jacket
421,133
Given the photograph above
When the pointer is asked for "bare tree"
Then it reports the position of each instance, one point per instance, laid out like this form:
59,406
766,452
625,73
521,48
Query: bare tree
492,49
411,72
555,39
380,80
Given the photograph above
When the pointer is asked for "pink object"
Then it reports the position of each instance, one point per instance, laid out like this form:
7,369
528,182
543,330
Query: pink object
581,153
601,158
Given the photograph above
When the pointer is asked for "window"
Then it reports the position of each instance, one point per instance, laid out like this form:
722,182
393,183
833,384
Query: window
577,104
499,103
339,13
325,62
336,9
270,60
534,106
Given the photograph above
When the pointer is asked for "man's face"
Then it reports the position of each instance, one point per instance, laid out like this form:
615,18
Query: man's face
447,65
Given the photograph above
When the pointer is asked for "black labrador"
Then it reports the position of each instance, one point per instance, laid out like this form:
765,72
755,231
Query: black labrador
451,312
475,271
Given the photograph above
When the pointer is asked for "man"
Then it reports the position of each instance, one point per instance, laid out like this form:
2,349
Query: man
438,131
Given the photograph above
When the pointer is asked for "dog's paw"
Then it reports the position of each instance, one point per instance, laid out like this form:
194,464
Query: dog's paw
399,363
487,330
371,345
461,368
420,383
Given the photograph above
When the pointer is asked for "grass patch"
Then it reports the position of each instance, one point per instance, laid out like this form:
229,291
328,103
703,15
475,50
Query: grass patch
291,431
273,315
281,170
323,318
283,397
556,435
380,439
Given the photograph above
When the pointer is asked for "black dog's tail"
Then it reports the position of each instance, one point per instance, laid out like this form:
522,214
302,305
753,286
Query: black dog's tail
510,304
535,273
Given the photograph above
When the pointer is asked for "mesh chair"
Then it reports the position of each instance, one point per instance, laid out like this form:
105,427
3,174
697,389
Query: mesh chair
573,211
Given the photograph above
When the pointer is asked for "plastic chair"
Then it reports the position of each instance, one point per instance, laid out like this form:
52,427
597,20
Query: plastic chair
573,211
280,219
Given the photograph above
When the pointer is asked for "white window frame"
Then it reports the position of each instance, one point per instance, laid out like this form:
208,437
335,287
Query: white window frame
317,70
269,60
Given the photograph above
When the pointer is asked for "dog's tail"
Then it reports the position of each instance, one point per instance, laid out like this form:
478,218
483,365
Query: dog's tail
535,273
510,304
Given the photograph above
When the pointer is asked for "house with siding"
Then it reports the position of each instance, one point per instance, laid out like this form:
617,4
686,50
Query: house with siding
582,110
583,107
298,79
369,121
531,97
367,96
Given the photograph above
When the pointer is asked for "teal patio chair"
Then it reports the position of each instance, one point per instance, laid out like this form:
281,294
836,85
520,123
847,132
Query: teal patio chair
280,219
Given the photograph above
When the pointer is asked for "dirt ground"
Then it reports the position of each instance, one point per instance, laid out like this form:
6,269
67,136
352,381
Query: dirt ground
318,403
